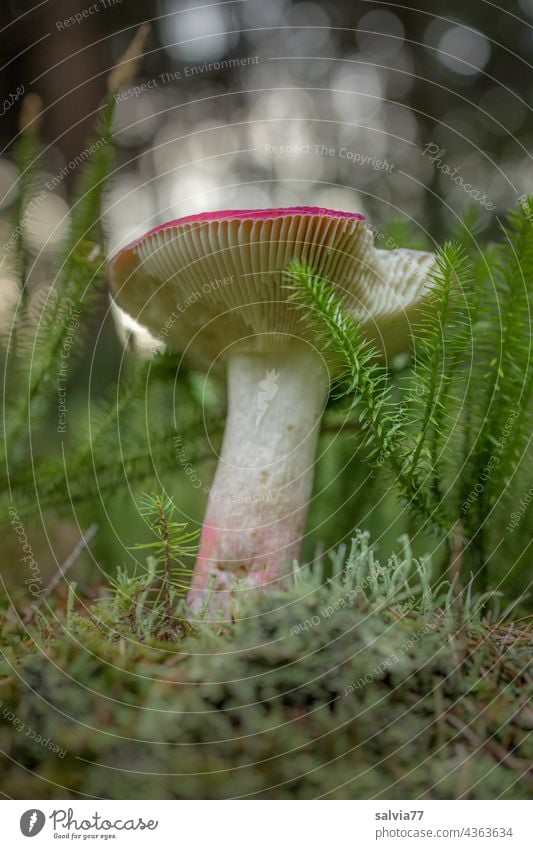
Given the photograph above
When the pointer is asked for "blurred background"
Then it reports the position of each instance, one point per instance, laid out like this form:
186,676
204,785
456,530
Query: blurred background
419,112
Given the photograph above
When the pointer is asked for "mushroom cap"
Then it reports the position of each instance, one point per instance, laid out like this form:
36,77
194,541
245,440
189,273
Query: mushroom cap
209,283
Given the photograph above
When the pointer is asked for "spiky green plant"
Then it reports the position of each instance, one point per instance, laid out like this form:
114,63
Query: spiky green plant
464,406
357,374
148,600
32,478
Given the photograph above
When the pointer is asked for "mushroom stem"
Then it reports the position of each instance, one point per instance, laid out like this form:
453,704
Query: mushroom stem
257,507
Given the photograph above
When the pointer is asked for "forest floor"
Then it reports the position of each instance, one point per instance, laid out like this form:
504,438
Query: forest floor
321,691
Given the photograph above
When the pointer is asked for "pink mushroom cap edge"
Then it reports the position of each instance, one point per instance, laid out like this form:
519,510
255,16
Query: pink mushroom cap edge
240,214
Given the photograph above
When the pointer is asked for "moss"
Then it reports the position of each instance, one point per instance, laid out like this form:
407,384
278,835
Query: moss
317,692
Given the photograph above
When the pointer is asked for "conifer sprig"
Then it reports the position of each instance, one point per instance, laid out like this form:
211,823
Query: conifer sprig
174,541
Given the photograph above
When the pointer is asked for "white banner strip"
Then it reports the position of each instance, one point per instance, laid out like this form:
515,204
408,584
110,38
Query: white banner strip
268,824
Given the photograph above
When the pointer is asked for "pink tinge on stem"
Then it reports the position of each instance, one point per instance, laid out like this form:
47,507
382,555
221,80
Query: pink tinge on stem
232,562
257,507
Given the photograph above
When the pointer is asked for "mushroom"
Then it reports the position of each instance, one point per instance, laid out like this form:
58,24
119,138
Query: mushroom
212,286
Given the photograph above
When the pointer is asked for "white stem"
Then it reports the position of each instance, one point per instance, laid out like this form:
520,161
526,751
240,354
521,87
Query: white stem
257,507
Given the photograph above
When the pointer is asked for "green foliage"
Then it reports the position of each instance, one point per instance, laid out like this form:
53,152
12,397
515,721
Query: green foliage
95,468
337,333
401,430
453,429
501,402
27,158
76,289
40,365
173,540
93,465
87,207
441,346
147,603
